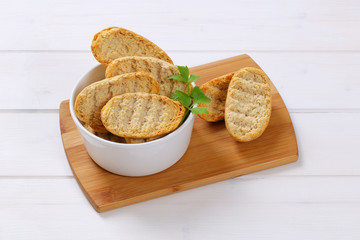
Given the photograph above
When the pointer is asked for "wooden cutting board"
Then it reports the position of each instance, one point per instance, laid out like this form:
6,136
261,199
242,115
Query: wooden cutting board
212,155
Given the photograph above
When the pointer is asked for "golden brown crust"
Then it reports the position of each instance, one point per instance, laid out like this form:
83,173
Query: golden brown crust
141,115
159,69
90,100
115,42
216,90
248,104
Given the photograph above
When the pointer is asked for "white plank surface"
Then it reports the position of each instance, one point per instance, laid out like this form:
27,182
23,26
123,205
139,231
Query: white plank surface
31,145
305,80
189,25
282,207
310,49
256,221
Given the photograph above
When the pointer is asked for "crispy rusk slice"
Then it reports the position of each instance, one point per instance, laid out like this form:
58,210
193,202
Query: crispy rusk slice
141,115
159,69
248,104
91,99
216,90
114,42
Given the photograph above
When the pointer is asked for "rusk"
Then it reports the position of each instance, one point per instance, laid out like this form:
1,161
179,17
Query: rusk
114,42
159,69
248,104
142,140
91,99
107,136
216,90
141,115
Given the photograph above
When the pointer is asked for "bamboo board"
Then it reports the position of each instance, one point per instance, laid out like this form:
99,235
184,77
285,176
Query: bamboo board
212,155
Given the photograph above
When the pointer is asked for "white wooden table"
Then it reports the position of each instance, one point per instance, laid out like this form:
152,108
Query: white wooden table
311,51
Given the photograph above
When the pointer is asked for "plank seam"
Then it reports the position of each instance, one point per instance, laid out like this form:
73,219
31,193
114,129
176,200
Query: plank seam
243,177
191,51
291,110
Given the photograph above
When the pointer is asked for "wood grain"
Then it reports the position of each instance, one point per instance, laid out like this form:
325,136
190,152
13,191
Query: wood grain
212,154
39,135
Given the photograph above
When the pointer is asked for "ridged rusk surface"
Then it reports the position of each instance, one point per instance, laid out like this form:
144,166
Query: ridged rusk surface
114,42
91,99
248,104
141,115
216,90
159,69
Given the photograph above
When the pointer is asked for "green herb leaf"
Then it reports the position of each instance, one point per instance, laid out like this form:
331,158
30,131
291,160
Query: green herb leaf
189,100
182,97
199,96
199,110
184,70
193,78
178,78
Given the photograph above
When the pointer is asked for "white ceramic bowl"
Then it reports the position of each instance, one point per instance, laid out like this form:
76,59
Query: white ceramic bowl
131,159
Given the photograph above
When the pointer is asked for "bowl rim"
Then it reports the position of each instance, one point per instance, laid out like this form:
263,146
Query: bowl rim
77,122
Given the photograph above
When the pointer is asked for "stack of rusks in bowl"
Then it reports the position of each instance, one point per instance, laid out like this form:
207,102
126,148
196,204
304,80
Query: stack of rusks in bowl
125,112
137,73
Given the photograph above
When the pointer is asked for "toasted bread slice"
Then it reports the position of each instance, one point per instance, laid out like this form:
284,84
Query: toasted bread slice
114,42
248,104
91,99
216,90
159,69
141,115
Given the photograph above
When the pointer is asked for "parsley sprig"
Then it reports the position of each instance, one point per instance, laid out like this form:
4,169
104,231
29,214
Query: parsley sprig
189,99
